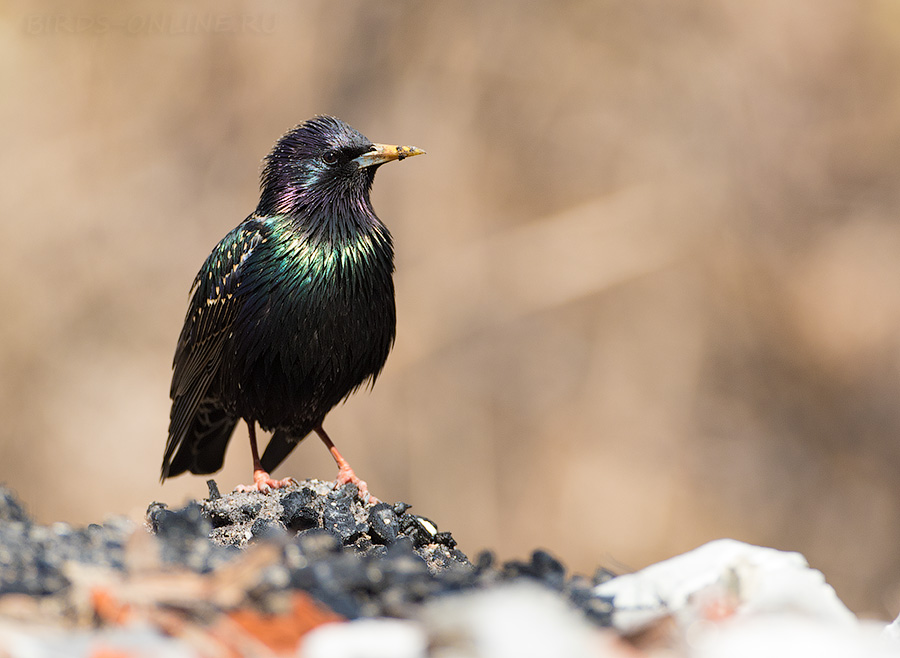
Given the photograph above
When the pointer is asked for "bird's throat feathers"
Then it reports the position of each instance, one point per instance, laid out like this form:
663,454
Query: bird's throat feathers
334,242
337,235
343,222
298,197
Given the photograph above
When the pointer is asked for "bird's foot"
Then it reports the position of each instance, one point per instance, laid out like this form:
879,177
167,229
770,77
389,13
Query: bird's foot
347,476
263,483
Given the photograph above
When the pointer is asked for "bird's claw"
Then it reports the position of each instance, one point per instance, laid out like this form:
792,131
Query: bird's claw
347,476
263,483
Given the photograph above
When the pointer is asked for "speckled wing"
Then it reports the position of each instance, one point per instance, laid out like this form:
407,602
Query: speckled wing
199,426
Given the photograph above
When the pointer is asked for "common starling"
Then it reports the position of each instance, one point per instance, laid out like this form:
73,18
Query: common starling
292,311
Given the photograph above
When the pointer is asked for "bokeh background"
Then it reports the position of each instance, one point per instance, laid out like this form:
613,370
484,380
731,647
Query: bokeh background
648,275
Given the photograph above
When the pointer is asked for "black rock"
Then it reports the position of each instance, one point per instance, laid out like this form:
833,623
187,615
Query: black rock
188,523
400,508
296,499
11,510
403,564
303,518
213,490
249,510
318,543
548,569
484,561
419,529
384,526
543,568
266,529
343,494
339,521
298,514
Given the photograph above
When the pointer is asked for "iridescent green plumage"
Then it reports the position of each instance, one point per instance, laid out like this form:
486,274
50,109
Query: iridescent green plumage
294,309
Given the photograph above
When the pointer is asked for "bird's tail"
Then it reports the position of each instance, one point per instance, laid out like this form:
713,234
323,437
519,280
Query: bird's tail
202,448
280,446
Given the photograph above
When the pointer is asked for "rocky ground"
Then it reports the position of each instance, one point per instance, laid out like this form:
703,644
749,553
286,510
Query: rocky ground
308,550
314,571
359,559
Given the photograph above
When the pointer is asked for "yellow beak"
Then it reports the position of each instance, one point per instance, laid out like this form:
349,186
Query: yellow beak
382,153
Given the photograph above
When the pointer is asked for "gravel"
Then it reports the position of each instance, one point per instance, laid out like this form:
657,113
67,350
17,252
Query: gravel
357,558
267,574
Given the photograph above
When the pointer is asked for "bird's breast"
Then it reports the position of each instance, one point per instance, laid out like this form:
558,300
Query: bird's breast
320,321
333,295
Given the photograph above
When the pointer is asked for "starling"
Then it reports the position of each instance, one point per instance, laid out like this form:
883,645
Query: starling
292,311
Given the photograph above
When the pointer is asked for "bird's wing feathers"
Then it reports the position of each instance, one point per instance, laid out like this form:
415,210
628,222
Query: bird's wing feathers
214,304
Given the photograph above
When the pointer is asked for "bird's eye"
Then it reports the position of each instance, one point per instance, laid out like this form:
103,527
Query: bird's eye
330,157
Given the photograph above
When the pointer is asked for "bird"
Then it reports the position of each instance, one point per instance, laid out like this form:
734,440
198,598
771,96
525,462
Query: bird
292,311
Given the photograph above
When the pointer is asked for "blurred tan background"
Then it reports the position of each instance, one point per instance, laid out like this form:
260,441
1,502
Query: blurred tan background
648,275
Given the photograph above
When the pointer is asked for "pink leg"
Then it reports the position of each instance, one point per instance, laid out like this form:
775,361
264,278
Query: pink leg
345,473
262,482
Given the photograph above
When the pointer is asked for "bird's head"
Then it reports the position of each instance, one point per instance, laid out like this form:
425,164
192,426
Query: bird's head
323,162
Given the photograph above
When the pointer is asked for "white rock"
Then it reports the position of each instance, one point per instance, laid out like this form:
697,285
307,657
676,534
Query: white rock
516,620
790,636
892,631
366,638
725,573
